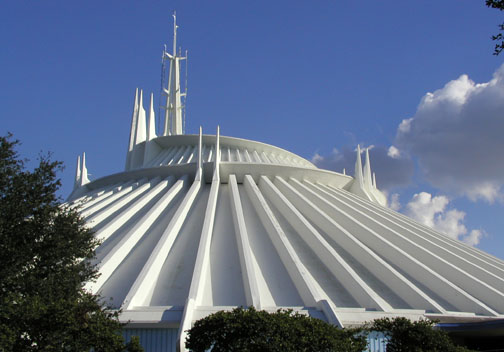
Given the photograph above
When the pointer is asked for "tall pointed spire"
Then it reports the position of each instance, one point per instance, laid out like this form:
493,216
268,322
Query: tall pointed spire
200,147
217,156
151,124
140,127
173,107
138,134
84,175
151,147
77,174
368,183
131,144
174,33
199,164
81,174
363,183
358,168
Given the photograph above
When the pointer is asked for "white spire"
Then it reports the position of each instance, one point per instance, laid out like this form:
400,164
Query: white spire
140,126
362,184
199,163
138,134
81,174
151,147
216,174
84,176
134,119
368,183
77,174
358,168
174,33
151,125
173,107
374,180
200,146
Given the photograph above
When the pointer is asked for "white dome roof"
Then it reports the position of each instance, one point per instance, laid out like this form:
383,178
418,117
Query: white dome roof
272,231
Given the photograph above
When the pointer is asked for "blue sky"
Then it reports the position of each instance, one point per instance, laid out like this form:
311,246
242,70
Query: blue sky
313,77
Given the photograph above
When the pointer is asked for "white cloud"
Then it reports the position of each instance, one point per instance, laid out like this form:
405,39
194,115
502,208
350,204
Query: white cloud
394,203
405,125
451,223
393,152
334,158
424,208
457,137
489,191
474,237
433,212
317,158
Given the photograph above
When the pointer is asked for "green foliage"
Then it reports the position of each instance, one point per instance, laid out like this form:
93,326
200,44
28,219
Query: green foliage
497,4
419,336
44,264
134,345
252,330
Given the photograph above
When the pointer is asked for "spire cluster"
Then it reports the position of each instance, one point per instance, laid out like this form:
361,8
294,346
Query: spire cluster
142,130
140,153
365,181
81,173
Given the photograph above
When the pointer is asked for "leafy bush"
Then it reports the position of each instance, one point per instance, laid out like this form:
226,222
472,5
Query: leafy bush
403,335
251,330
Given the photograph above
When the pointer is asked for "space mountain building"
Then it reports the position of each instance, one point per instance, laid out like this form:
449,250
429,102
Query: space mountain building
198,223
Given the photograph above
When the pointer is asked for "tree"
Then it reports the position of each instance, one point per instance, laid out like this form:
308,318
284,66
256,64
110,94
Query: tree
403,335
497,4
45,250
252,330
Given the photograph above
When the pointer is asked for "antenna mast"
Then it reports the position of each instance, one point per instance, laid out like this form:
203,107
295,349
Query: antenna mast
185,93
174,117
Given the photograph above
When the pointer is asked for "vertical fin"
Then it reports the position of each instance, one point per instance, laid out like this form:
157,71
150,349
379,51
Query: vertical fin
363,185
131,144
140,127
84,175
374,180
217,155
77,174
199,170
358,168
151,126
368,183
137,137
200,146
151,147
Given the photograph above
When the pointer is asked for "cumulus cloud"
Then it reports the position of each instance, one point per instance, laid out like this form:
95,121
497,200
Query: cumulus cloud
424,208
391,171
474,237
393,152
394,202
317,158
434,212
456,136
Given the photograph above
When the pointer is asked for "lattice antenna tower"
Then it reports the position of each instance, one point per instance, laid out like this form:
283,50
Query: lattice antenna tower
175,100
